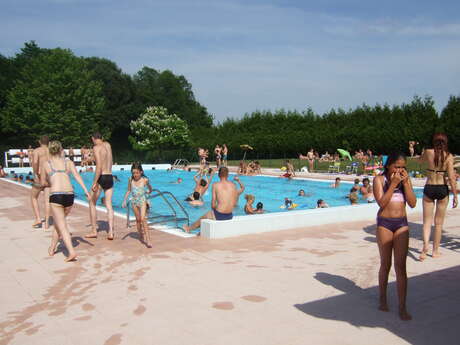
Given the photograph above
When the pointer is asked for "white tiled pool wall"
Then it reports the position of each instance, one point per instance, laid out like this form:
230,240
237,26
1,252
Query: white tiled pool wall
244,225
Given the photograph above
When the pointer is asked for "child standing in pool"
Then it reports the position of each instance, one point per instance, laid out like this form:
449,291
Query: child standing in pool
137,185
392,190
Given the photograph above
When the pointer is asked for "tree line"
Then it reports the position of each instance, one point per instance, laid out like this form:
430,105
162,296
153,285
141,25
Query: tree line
55,92
381,128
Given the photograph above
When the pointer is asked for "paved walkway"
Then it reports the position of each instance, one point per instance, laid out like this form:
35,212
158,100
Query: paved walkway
306,286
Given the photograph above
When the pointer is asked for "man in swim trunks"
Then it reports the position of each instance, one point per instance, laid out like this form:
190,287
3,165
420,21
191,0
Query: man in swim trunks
224,155
224,199
39,156
103,180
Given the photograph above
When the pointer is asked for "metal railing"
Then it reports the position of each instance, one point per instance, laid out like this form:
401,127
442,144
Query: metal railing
163,218
180,162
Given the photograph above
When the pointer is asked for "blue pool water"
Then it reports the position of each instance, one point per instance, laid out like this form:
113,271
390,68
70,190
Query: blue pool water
271,191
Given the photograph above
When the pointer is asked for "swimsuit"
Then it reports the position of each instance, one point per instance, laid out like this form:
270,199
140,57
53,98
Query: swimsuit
436,191
398,193
138,196
222,216
105,181
393,224
65,199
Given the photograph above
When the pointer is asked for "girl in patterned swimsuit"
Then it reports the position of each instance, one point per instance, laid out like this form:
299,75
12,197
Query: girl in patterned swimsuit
137,186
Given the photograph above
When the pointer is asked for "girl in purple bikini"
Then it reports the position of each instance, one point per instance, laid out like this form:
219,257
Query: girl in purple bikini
392,190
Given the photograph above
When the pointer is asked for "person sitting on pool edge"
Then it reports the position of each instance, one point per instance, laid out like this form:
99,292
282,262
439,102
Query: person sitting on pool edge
196,202
248,209
224,199
337,183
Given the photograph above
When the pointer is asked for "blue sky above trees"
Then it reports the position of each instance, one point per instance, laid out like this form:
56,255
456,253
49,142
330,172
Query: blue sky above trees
259,54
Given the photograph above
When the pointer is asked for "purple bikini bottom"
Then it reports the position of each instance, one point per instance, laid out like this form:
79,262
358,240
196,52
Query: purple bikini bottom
392,224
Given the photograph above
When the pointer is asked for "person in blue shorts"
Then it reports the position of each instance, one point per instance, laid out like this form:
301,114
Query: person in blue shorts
224,199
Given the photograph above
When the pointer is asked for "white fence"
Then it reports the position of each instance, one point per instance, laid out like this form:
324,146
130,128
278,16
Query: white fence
19,157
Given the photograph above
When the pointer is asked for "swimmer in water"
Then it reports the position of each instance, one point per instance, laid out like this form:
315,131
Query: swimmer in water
336,184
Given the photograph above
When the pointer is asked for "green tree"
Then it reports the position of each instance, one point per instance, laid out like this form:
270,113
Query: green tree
172,92
55,95
450,123
156,129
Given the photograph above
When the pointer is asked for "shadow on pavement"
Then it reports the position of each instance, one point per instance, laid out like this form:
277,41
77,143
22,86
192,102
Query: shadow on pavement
433,301
448,241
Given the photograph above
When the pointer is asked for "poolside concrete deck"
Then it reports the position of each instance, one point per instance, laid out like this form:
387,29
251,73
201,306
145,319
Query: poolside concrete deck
313,285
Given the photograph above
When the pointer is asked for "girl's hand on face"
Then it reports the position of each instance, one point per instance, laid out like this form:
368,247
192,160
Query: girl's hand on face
404,175
396,178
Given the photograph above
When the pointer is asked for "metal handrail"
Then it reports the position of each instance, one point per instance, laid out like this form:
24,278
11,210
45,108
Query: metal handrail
162,195
180,161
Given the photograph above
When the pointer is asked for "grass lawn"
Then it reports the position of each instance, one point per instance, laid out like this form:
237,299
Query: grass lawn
412,164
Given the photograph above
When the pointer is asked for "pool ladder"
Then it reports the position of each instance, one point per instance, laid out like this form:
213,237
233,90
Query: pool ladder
163,218
180,163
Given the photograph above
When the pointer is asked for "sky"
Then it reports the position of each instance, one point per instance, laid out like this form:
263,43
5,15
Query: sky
241,56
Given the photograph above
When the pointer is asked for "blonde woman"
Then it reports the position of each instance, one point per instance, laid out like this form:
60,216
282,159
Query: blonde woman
56,176
248,208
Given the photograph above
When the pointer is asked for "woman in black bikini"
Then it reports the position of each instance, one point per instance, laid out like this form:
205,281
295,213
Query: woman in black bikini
436,191
56,176
392,190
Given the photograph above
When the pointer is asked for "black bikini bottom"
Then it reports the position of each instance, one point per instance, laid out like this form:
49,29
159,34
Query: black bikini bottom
63,199
436,191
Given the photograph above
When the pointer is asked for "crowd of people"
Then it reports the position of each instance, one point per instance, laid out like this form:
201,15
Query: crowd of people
392,190
50,176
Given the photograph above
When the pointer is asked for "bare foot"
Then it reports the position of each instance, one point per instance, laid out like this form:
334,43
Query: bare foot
436,255
422,255
91,235
186,228
148,244
404,315
71,257
110,236
51,250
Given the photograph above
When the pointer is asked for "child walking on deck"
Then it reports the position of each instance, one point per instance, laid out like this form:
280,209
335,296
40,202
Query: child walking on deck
137,185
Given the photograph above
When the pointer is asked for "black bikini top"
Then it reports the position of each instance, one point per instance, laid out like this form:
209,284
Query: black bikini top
437,171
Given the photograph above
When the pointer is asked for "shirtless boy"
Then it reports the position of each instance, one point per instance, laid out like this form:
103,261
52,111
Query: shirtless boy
39,156
103,180
224,199
202,184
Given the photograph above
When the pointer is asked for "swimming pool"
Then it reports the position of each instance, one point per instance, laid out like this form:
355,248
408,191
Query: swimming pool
271,191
